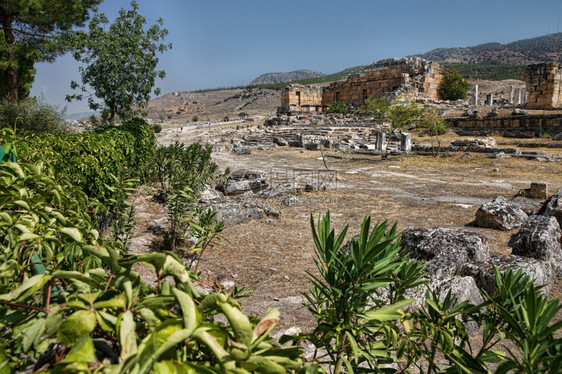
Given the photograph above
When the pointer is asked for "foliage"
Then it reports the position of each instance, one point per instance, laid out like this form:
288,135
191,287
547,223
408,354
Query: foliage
453,86
31,32
206,229
120,62
92,160
338,107
181,172
194,119
434,124
242,114
400,114
358,294
487,71
42,216
31,115
157,128
104,318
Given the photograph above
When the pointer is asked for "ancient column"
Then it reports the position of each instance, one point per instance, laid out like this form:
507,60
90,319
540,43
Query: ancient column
475,94
510,97
381,141
406,142
518,96
489,99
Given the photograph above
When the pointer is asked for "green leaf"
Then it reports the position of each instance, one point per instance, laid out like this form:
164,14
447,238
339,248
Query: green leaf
190,313
82,351
389,312
73,233
127,335
77,326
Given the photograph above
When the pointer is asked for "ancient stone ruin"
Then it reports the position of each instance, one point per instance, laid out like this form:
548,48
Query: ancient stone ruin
543,85
407,78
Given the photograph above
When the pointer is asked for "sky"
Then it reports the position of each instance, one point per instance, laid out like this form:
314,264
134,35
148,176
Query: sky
224,43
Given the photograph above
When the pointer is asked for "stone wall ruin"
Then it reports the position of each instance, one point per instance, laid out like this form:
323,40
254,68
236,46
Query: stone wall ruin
407,78
543,85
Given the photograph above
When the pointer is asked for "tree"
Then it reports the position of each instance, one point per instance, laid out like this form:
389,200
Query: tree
453,86
120,62
32,31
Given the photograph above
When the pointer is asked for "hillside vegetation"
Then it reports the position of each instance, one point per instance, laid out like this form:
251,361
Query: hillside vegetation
522,52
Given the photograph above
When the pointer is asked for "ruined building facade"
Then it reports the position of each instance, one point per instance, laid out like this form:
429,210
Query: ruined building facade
543,83
408,78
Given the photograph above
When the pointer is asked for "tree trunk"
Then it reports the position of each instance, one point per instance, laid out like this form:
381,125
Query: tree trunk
12,70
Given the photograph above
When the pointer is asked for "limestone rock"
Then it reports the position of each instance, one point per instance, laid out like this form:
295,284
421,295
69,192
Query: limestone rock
553,207
291,200
279,190
239,210
244,180
499,214
484,276
444,250
280,141
539,238
557,136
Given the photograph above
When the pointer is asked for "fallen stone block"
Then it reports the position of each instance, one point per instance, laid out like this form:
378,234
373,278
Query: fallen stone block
500,215
539,238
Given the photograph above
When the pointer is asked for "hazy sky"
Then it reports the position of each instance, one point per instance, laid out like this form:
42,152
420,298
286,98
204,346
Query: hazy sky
222,43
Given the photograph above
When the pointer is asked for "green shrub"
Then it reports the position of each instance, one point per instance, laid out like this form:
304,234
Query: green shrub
338,107
104,317
181,172
453,86
32,116
157,128
90,160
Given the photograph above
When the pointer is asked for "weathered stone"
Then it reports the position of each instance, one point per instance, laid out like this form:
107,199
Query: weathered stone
539,190
484,276
543,85
290,200
239,210
557,136
553,207
500,215
244,180
242,150
444,250
406,142
487,142
280,141
539,238
279,190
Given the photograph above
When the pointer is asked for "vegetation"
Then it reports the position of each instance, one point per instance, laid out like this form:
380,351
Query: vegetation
487,71
359,302
31,32
120,63
31,116
338,107
453,87
87,311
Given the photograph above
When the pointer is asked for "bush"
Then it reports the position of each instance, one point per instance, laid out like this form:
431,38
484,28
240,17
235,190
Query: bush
157,128
453,87
32,116
338,107
91,160
104,317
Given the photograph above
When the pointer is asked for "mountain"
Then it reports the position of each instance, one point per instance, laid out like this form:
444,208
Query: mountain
297,75
523,52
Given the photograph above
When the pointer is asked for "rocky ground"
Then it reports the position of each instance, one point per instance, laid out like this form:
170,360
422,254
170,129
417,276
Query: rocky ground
272,255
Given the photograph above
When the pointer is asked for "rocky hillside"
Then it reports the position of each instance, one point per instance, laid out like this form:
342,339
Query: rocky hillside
297,75
523,52
213,105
